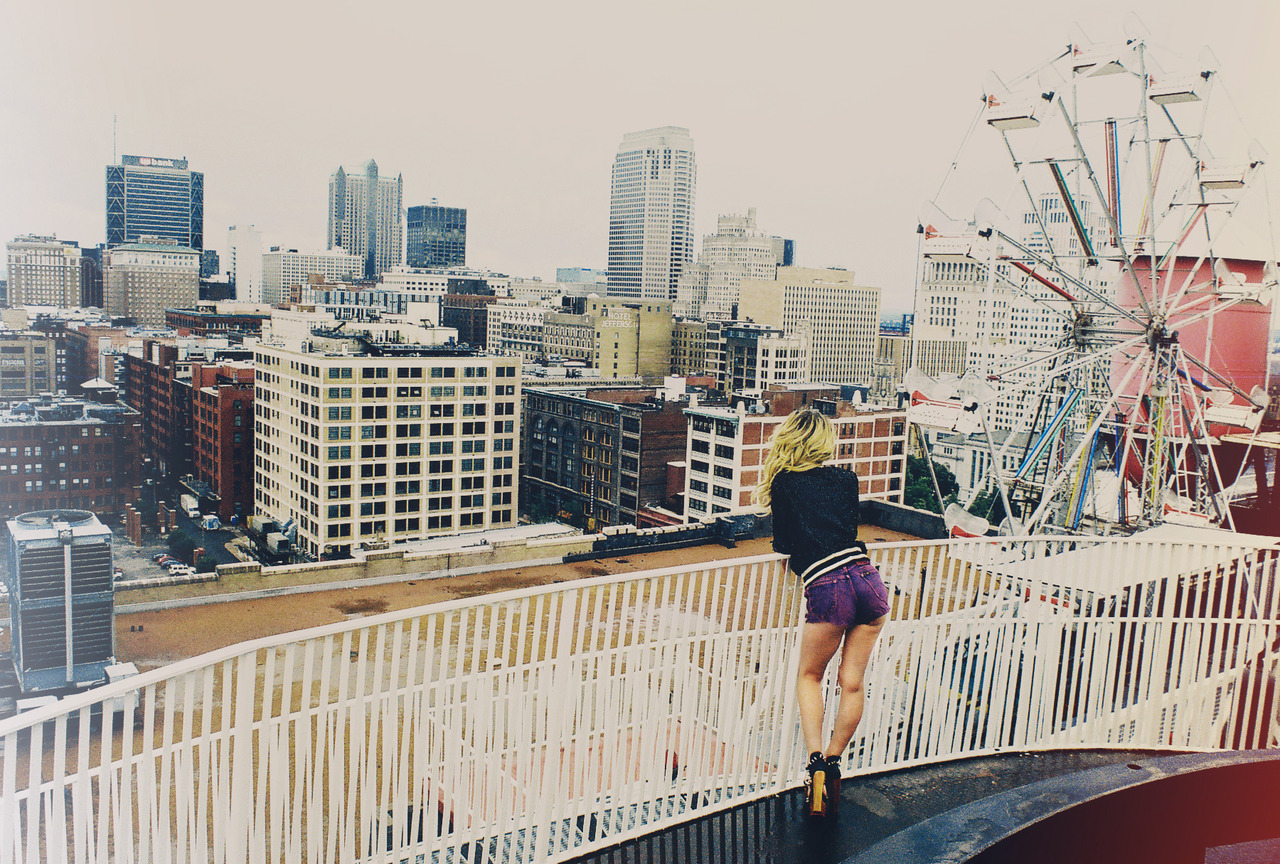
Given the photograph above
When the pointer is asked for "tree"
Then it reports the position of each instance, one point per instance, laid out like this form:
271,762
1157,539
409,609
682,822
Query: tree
180,546
920,492
206,564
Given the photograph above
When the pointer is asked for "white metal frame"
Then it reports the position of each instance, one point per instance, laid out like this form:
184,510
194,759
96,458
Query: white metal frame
539,724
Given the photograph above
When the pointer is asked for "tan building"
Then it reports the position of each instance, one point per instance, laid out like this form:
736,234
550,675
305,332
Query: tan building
569,336
144,279
28,364
383,441
632,336
842,318
726,448
689,346
44,271
516,328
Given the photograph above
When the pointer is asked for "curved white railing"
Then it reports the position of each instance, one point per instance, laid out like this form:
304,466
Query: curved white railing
540,724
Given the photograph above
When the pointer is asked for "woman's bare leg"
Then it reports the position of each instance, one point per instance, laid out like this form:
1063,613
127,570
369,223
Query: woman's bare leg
818,644
858,644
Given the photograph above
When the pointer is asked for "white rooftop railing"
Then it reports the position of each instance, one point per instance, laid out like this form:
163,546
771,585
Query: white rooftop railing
540,724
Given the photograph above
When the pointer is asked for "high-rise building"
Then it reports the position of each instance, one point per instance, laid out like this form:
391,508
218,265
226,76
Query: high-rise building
157,197
364,217
282,269
842,319
651,213
144,279
735,252
62,606
44,271
372,438
437,236
245,268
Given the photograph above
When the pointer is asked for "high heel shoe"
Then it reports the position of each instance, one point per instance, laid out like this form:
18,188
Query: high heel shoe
816,786
832,769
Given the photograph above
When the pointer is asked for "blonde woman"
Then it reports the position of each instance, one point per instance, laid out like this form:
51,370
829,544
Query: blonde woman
815,521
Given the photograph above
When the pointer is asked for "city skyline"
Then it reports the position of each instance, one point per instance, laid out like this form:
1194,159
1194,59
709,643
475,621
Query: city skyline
848,135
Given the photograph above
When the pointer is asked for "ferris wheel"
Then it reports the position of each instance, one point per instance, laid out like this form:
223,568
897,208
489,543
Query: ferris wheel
1100,256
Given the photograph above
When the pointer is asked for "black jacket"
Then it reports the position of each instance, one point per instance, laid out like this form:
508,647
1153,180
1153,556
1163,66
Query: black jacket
815,516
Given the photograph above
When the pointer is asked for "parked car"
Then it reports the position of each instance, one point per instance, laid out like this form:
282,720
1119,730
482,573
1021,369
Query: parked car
180,569
156,557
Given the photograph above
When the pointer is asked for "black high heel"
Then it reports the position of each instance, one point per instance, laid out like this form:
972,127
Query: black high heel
816,796
833,783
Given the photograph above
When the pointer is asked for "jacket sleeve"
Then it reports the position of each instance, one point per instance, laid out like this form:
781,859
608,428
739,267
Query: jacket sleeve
783,534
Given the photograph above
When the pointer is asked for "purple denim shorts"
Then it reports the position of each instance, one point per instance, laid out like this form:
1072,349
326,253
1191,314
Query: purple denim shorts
852,595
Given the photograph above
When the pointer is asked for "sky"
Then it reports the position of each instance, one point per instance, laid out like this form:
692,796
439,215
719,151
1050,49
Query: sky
836,121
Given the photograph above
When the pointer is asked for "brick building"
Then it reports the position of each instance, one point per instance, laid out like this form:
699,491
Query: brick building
222,432
58,453
469,315
727,446
597,456
209,319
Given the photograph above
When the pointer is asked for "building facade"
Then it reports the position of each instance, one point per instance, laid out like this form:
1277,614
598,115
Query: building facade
841,318
727,447
44,271
222,433
516,329
689,341
595,457
360,441
244,243
632,337
58,453
469,315
436,236
651,211
284,269
364,217
737,251
151,196
755,357
28,364
217,319
144,279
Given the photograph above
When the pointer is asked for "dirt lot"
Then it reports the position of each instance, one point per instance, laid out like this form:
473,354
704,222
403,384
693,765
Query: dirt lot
152,639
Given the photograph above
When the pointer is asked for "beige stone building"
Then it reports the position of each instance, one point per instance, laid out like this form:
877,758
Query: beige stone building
144,279
28,364
842,318
380,440
44,271
569,336
632,336
689,346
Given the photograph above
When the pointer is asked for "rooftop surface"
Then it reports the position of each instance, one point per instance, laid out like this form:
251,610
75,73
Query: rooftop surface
872,808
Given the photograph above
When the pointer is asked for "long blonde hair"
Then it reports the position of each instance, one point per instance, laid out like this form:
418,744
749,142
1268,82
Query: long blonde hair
805,440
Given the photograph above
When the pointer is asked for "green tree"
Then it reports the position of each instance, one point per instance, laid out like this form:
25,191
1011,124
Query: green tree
180,546
206,564
920,492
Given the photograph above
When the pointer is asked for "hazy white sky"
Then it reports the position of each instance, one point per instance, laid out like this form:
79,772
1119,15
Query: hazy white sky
835,120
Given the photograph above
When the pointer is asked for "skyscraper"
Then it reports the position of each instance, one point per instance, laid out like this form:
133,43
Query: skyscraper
149,195
651,213
437,236
737,251
364,217
245,242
